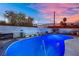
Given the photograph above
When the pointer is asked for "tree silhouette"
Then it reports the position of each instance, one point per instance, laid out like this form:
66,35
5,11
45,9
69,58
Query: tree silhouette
64,21
18,18
11,16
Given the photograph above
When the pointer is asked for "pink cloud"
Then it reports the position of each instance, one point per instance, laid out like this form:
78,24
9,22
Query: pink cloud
69,10
58,7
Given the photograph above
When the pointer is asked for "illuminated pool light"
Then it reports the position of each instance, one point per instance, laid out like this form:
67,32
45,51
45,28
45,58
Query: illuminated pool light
46,45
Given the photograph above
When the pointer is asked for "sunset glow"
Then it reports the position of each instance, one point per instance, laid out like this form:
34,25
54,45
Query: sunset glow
43,12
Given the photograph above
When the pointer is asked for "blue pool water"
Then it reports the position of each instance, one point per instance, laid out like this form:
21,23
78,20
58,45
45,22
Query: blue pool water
46,45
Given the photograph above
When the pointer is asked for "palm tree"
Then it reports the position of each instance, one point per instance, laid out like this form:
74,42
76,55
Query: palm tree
64,20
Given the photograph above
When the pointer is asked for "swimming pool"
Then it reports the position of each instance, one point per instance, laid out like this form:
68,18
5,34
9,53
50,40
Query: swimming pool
46,45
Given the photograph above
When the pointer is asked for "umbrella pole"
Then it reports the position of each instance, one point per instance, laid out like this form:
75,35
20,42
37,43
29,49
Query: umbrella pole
44,47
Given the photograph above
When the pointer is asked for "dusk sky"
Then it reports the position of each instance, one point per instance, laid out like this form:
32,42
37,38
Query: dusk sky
43,12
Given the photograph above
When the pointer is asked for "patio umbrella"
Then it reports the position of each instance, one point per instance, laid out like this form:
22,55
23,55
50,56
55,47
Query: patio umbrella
46,45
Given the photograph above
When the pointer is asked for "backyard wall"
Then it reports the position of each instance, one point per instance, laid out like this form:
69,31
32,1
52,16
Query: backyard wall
29,30
16,30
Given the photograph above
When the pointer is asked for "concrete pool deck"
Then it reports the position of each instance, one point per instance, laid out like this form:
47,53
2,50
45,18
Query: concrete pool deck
71,47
